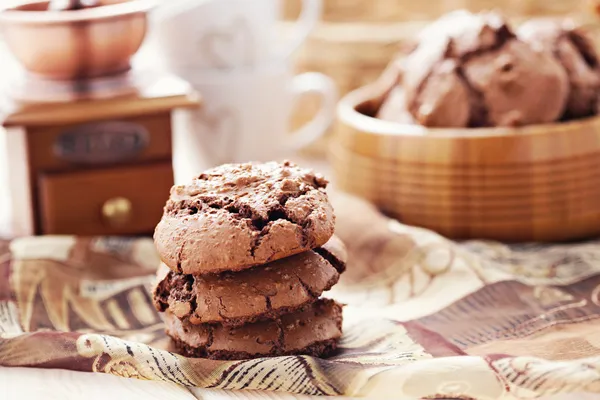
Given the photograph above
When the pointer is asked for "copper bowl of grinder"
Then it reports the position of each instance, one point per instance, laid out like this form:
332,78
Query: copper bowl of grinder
75,43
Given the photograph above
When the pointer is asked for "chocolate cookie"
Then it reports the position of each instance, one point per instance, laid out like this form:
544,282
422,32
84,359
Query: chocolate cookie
314,331
263,292
237,216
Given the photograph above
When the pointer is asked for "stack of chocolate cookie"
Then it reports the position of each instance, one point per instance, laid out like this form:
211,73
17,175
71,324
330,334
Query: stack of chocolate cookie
247,251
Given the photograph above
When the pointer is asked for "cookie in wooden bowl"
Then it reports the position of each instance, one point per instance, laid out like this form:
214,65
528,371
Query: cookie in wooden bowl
488,154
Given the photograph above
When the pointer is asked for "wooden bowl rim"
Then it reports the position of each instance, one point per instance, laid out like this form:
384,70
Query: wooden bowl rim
109,11
350,157
347,113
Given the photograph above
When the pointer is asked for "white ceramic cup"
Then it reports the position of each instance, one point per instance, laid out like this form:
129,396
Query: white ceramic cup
245,116
220,34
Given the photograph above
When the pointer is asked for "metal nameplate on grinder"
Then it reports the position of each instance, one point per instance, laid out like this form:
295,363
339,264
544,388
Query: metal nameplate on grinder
102,142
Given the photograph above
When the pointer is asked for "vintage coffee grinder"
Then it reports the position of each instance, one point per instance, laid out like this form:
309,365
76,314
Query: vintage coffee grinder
88,137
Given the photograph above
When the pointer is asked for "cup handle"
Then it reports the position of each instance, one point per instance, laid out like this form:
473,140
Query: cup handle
314,82
306,22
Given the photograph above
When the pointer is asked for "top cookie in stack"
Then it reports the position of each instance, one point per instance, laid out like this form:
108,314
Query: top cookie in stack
247,250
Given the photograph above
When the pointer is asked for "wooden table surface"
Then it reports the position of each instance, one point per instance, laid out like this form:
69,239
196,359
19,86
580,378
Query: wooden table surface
33,383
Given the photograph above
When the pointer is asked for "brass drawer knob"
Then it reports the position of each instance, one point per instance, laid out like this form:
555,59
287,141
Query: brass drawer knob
117,211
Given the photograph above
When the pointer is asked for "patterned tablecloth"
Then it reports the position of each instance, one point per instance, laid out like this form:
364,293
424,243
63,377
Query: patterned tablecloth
425,317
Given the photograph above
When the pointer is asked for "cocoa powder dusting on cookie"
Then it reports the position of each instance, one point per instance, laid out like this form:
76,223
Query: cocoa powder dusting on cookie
314,330
237,216
259,293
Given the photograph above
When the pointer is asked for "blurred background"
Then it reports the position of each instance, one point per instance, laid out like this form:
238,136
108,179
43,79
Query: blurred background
106,93
473,119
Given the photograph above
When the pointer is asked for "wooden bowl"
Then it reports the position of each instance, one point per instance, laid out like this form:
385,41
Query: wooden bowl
75,44
463,190
534,183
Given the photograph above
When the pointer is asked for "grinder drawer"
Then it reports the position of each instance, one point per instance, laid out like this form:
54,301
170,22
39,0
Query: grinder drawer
118,201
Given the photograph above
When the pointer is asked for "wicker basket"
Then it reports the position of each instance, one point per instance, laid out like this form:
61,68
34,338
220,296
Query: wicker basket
353,55
411,10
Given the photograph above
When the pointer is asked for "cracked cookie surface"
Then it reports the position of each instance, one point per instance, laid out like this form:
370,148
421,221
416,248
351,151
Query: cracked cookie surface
314,330
237,216
260,293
